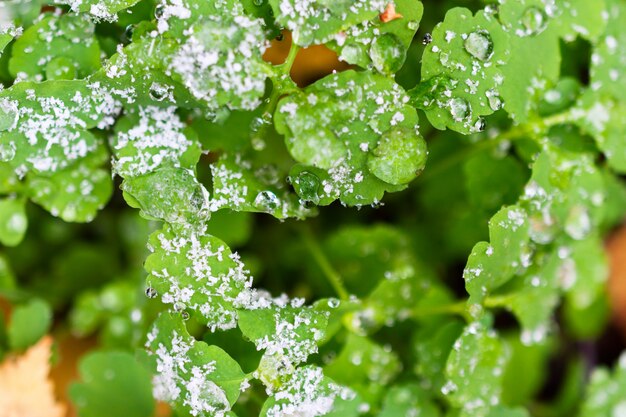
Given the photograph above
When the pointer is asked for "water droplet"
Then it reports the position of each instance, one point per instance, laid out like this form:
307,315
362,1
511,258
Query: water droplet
333,302
280,37
387,53
459,108
479,45
413,25
578,223
351,53
8,114
178,307
158,91
158,11
258,2
480,125
534,20
151,292
427,39
267,201
185,315
308,185
495,102
542,228
128,32
7,151
258,128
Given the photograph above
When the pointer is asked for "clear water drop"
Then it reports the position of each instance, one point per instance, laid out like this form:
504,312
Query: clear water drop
387,53
128,32
7,151
427,39
158,91
480,125
479,45
178,307
267,201
495,102
151,292
542,228
413,25
459,108
8,114
578,223
308,185
185,315
351,53
534,20
158,11
333,302
258,2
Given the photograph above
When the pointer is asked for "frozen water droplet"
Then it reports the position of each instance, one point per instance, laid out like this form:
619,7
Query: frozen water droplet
178,307
308,185
413,25
479,45
7,151
257,131
8,114
428,38
459,108
185,315
151,292
266,201
128,32
534,20
158,11
578,223
158,91
387,53
542,228
480,125
495,102
258,2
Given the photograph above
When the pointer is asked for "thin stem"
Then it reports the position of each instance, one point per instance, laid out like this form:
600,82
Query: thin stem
291,57
459,308
322,261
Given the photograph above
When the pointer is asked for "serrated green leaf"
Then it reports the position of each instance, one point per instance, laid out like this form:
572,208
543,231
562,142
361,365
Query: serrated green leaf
605,393
380,45
170,194
198,274
13,221
470,52
150,138
524,374
194,377
479,353
308,391
107,377
75,194
492,264
341,127
317,22
29,322
57,47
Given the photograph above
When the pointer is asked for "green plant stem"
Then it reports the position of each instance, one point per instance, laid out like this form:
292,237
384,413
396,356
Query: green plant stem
458,308
322,261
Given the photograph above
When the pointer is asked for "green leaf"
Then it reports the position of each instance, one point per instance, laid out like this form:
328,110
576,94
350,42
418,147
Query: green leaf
7,34
56,47
524,374
150,138
44,126
195,378
170,194
107,377
492,264
345,129
287,334
101,9
364,366
377,44
469,51
605,393
29,323
74,194
13,223
475,370
308,392
317,22
196,273
406,400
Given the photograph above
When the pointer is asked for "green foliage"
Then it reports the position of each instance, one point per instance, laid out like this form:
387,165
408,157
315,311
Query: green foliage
506,187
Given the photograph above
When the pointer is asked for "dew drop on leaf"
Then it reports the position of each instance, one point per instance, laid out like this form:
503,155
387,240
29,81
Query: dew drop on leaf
8,114
459,108
542,228
413,25
399,156
185,315
308,186
333,302
350,53
495,102
158,92
387,53
128,32
266,201
534,20
258,2
578,223
151,292
479,45
7,151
